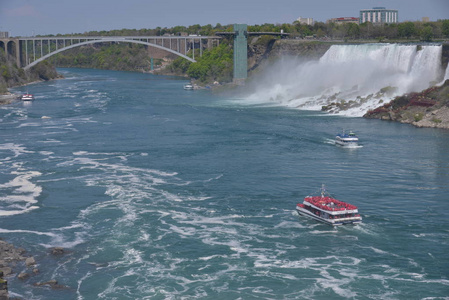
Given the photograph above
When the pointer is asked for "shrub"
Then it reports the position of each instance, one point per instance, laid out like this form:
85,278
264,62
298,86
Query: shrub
418,117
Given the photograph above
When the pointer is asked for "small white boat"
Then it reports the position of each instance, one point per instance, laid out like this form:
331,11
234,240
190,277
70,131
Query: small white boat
188,86
27,97
347,139
329,210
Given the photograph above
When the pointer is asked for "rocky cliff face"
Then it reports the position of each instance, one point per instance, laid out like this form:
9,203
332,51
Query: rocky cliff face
11,75
429,108
262,51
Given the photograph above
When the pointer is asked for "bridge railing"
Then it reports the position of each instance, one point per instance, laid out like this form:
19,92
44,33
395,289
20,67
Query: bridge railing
34,49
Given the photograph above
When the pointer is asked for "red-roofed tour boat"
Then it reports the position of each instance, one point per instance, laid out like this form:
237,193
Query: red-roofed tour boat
328,210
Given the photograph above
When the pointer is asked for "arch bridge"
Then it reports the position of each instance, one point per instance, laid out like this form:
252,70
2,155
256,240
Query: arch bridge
29,51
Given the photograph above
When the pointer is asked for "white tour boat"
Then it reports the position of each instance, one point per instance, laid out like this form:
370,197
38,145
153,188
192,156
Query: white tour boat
188,86
347,139
329,210
27,97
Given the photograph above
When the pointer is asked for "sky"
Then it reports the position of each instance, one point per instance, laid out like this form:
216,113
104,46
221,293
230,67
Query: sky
42,17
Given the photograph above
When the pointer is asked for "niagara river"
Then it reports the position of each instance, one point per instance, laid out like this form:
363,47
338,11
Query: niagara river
155,192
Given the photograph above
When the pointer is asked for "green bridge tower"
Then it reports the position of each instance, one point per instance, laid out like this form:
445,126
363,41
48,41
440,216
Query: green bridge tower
240,53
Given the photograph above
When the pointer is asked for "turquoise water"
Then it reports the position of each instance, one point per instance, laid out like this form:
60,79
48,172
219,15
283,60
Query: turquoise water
161,193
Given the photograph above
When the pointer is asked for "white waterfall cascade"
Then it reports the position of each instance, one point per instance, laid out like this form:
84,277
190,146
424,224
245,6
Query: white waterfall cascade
353,78
446,75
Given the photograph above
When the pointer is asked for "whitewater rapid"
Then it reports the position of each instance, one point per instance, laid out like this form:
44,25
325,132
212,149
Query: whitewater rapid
354,78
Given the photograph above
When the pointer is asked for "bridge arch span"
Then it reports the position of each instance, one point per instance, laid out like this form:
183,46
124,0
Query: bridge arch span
105,40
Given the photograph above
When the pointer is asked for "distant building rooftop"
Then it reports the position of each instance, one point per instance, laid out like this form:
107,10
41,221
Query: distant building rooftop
344,20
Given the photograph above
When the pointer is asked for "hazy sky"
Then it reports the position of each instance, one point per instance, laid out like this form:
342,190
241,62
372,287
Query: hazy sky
25,17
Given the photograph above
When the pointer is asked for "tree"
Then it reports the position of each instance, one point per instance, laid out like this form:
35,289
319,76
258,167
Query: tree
304,30
366,30
406,29
352,30
215,64
391,30
426,34
445,28
206,30
194,29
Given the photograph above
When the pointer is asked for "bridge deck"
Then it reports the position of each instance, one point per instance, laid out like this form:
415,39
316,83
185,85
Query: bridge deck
104,37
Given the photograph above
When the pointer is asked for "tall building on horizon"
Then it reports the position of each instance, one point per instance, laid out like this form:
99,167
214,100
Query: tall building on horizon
306,21
378,15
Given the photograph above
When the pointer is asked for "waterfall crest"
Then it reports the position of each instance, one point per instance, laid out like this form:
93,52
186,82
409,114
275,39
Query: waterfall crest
352,79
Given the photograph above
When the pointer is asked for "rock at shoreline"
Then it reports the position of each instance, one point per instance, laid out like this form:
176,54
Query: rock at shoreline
8,98
429,108
23,276
30,261
57,251
51,283
9,255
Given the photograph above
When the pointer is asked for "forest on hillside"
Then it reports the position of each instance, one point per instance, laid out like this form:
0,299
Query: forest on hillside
11,75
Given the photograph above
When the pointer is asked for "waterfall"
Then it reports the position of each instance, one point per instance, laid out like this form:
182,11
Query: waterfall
446,75
354,78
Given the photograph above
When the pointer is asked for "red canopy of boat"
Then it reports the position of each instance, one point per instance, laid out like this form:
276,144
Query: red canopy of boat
330,204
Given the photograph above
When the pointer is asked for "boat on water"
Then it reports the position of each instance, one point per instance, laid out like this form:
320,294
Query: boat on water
347,139
329,210
27,97
188,86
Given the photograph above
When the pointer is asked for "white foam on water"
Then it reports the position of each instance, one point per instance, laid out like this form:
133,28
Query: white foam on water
206,258
133,256
50,234
336,286
319,232
15,148
290,224
50,141
18,212
20,192
29,125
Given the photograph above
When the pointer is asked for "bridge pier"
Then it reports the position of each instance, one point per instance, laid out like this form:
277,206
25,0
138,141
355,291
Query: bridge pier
12,47
240,53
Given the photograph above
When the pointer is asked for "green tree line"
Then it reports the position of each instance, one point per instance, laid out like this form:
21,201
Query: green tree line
215,64
425,31
115,56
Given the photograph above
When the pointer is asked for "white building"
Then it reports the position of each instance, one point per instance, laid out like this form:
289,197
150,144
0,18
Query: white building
378,15
305,21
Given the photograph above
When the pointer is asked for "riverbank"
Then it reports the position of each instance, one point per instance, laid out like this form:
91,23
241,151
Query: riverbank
10,256
429,108
8,98
13,259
